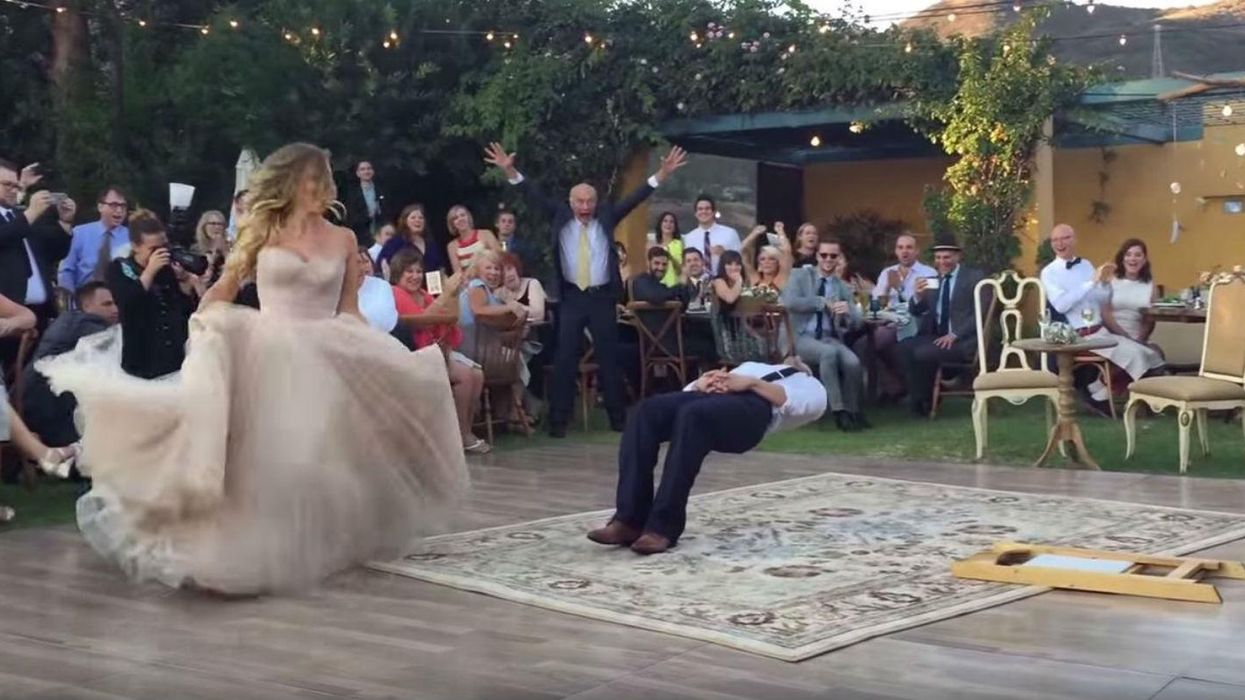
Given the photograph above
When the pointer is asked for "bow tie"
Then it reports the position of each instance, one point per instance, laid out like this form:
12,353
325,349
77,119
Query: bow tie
1069,264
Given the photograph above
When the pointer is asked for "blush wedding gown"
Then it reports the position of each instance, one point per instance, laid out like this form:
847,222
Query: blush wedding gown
294,442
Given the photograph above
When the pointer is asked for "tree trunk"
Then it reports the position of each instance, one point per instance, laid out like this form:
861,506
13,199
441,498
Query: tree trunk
70,46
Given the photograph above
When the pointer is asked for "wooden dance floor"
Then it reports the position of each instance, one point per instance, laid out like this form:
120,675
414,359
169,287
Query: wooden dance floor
71,627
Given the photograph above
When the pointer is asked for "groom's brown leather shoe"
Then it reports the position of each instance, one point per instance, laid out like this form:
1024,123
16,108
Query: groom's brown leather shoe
616,533
650,543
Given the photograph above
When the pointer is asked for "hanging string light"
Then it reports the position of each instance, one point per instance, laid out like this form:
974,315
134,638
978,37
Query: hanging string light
233,24
1089,7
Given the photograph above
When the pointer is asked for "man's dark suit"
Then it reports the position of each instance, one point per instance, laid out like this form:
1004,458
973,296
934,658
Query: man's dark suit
50,244
357,217
651,290
920,356
593,307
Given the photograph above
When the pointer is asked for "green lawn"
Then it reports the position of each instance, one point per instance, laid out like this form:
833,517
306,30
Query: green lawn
1017,435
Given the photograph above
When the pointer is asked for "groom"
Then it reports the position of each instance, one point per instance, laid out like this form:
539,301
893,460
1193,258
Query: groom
587,278
720,412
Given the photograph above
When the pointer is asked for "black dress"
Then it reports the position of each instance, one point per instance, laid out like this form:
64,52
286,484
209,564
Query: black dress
154,322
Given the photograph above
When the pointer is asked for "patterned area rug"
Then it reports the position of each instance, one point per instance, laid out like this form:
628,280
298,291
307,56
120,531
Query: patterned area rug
797,568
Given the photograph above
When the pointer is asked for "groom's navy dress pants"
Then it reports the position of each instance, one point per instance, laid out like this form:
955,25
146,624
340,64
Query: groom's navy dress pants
694,424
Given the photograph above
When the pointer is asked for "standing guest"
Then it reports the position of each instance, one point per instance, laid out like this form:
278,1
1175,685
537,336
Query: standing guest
212,242
773,262
713,239
1132,292
946,314
98,243
698,280
588,279
434,321
527,291
507,225
806,240
383,234
412,233
719,412
31,241
668,238
48,415
365,204
240,206
822,315
155,297
896,285
1076,293
466,240
624,269
375,296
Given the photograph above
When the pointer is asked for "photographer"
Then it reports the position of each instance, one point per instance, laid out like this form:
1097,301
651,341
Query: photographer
156,295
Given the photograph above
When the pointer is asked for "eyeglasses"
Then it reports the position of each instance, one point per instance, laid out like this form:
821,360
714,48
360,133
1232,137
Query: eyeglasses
114,205
828,256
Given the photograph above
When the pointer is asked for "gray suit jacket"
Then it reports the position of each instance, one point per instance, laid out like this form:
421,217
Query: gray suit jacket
800,298
963,308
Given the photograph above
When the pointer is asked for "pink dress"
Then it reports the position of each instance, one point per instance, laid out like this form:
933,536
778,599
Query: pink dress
295,442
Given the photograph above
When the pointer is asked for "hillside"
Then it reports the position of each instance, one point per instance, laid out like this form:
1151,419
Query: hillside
1201,51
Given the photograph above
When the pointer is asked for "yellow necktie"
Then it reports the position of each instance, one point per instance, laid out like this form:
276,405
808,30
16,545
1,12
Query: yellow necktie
583,260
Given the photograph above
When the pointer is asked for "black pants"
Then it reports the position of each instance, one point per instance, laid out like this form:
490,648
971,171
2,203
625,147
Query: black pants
694,424
595,310
921,360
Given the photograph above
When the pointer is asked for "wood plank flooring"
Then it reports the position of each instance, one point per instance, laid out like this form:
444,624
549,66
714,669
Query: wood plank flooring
72,627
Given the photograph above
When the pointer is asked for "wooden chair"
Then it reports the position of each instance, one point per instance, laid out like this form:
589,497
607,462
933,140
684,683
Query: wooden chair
965,372
585,382
766,331
656,347
1015,382
15,376
1220,382
498,353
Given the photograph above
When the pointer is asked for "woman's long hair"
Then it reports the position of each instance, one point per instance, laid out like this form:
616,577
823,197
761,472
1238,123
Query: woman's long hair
1143,275
729,257
404,232
273,195
662,219
202,240
449,220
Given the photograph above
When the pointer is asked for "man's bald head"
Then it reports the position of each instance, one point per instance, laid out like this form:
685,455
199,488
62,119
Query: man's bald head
584,201
1063,241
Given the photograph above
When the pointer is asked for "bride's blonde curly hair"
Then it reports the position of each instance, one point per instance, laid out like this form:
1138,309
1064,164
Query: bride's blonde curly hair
273,192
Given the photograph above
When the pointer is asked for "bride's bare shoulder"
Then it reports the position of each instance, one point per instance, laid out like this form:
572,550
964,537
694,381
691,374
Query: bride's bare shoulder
340,235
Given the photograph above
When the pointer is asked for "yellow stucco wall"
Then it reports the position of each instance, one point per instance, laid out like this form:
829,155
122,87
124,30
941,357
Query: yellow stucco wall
1142,204
893,188
633,230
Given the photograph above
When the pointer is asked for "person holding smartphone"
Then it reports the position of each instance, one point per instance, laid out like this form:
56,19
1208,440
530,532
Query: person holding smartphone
771,265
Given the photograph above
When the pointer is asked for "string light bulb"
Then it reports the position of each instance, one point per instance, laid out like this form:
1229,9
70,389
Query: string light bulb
1227,111
908,48
588,39
507,43
951,17
289,37
791,48
823,28
1090,7
315,31
233,24
393,36
386,43
60,10
815,142
1240,149
1016,7
203,30
1123,39
488,37
694,36
142,23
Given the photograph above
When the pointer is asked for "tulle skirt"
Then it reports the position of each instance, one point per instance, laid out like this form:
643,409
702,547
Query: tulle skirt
286,449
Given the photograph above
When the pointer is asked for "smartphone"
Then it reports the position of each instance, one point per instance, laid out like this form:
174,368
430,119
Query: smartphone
58,197
931,283
772,238
432,281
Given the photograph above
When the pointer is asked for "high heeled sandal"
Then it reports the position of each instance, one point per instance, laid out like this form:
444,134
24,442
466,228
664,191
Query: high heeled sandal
58,461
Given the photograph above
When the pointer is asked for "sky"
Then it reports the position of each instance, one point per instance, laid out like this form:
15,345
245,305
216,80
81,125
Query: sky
891,7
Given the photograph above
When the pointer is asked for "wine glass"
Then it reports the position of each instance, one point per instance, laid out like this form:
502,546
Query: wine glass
1087,315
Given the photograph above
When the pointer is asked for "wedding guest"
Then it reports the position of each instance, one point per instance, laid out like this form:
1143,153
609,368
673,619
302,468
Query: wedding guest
481,302
32,240
668,238
98,243
241,204
729,283
434,321
366,204
383,234
412,233
806,239
467,242
860,285
155,297
713,239
728,412
507,225
650,288
822,314
624,271
376,301
212,242
1132,292
698,280
527,291
896,285
773,263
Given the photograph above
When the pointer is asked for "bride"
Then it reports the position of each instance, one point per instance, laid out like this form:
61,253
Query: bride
296,441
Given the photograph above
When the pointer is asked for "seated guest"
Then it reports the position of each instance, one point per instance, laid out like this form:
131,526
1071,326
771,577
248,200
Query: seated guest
730,282
49,415
822,315
946,314
806,240
527,291
697,279
376,301
433,322
896,286
412,233
155,297
1132,292
1076,293
624,272
481,303
668,237
212,242
773,262
860,285
720,412
650,288
383,234
466,241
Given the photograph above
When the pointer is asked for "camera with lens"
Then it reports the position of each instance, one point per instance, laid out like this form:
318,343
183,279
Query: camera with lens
189,260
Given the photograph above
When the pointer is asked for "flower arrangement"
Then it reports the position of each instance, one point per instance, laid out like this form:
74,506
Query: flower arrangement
756,298
1059,333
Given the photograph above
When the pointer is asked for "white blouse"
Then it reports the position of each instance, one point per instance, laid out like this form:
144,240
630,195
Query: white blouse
1128,299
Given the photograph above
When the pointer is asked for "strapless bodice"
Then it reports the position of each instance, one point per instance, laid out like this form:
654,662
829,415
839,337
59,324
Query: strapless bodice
298,288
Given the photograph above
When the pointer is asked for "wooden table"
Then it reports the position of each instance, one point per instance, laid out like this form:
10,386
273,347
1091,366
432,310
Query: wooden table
1175,314
1066,430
